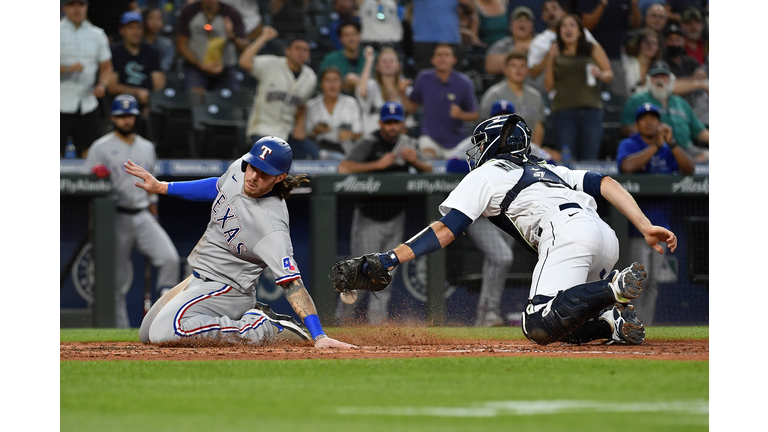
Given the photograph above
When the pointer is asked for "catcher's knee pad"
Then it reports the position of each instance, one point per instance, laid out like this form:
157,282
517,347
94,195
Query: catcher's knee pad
569,310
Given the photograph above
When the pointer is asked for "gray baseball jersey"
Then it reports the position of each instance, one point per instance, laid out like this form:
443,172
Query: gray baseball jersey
113,152
280,94
244,236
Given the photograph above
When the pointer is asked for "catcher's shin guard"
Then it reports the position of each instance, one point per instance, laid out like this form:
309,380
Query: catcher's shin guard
569,310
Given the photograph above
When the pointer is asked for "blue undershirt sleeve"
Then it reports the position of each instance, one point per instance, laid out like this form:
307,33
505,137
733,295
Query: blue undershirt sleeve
195,190
592,183
456,221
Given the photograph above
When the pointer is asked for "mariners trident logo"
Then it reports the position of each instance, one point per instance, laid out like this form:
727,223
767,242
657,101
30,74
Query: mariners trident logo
264,152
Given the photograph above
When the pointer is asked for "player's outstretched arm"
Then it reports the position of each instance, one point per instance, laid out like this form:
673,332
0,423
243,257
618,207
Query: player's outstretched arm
302,304
150,184
612,191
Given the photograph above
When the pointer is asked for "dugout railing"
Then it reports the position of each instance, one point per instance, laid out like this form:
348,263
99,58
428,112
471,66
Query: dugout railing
93,227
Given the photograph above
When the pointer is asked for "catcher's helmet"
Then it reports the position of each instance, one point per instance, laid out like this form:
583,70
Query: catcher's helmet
506,133
125,104
271,155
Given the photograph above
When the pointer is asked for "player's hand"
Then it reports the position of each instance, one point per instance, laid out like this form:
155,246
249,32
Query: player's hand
150,183
455,111
657,234
268,33
387,160
327,342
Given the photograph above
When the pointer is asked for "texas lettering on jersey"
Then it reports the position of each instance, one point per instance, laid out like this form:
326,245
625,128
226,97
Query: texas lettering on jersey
228,230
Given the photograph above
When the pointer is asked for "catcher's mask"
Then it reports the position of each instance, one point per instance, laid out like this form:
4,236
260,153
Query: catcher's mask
506,133
271,155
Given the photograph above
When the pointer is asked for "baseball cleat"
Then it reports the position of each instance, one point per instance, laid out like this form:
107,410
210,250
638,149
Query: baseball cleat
628,283
627,328
489,319
288,328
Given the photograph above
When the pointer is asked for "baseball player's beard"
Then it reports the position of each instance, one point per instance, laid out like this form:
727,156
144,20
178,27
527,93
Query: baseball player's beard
126,132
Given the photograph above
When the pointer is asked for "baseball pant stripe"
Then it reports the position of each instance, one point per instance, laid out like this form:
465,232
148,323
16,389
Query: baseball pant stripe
177,320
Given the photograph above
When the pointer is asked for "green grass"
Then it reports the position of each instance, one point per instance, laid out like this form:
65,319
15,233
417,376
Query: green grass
420,394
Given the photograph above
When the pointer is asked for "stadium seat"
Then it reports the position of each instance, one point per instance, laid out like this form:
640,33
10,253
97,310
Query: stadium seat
226,98
171,121
219,132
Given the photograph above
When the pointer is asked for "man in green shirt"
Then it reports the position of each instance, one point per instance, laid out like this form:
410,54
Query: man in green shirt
349,60
687,129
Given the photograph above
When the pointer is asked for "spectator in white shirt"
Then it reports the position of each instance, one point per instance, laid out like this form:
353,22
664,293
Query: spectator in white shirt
84,56
333,119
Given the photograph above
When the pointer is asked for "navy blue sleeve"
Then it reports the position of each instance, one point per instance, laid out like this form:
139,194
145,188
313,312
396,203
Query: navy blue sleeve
592,183
195,190
456,221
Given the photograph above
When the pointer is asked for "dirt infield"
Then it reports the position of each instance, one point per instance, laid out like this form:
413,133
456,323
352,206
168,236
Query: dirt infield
383,343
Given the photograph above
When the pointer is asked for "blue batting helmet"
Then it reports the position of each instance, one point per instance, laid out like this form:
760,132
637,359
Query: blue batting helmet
125,104
502,106
506,133
271,155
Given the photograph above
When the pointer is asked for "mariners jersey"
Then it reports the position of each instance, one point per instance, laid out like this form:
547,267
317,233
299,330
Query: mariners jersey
279,95
113,152
244,236
538,190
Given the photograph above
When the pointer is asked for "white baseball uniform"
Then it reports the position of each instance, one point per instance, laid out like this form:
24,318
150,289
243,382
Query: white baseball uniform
244,236
279,96
346,115
552,216
135,226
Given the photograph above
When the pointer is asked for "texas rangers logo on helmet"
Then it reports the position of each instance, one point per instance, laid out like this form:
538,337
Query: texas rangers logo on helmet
264,152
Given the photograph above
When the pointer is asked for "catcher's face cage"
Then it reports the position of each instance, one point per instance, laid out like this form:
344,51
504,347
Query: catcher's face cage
485,141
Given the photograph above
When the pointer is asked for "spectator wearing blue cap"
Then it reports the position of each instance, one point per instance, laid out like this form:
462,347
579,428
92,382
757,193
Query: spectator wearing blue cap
687,129
380,221
652,150
136,65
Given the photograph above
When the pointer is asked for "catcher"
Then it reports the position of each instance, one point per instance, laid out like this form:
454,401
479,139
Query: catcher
575,296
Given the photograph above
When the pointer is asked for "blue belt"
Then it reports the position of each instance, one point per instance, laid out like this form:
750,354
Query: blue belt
199,276
569,205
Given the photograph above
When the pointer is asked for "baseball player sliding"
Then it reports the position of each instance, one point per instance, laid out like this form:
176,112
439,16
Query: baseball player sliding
575,295
135,223
248,232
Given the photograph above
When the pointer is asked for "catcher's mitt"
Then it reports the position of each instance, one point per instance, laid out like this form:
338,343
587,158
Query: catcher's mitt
362,273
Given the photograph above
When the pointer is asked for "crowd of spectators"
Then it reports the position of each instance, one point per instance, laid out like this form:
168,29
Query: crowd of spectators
321,70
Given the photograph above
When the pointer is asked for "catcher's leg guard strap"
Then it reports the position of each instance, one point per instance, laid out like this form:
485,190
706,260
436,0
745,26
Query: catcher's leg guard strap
569,310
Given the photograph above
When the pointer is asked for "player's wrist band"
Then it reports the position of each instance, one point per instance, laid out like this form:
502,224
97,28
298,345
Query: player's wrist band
424,242
389,259
315,328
